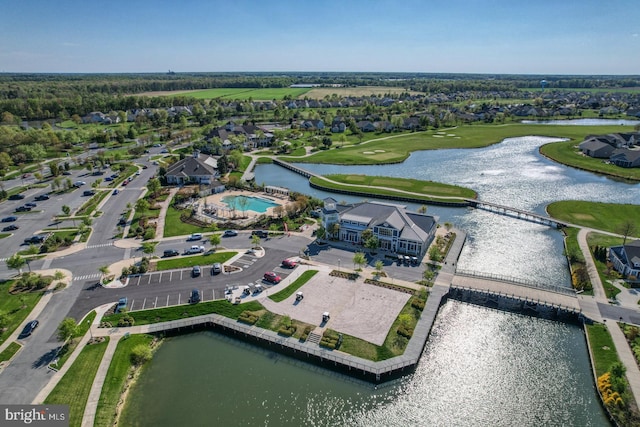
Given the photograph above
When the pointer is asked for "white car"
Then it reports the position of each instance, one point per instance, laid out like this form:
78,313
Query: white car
195,249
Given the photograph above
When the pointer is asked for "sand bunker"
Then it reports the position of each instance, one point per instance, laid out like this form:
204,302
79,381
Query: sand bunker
368,152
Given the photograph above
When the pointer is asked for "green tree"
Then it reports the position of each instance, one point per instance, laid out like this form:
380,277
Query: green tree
215,240
149,247
366,235
154,186
379,265
255,240
428,276
16,262
140,354
359,259
372,243
104,270
142,205
67,329
335,229
422,209
66,210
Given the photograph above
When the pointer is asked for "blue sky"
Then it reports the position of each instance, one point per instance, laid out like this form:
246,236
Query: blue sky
458,36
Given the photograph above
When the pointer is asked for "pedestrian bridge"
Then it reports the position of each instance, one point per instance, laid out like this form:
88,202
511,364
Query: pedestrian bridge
531,294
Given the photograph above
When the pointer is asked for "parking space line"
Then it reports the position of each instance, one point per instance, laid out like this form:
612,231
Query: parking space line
143,303
178,299
170,276
132,302
160,278
155,304
180,275
149,282
139,278
167,301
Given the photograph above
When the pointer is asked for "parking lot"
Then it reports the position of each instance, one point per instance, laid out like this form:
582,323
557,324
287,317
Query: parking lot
173,287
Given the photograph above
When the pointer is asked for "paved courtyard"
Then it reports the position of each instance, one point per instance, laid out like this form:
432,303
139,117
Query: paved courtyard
357,309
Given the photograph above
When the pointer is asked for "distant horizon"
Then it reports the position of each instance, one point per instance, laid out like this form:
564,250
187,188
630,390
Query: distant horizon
287,73
545,37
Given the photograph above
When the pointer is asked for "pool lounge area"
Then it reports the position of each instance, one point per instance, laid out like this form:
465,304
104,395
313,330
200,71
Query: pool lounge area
249,203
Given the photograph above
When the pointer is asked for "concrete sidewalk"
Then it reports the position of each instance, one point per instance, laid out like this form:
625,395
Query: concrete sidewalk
96,388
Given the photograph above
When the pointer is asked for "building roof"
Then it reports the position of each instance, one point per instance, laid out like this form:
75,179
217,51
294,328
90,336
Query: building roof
191,166
412,226
632,251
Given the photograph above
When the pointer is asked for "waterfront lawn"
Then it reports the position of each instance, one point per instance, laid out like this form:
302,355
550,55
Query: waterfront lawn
16,306
116,379
567,153
607,274
602,347
221,307
274,322
396,148
73,389
297,284
68,347
8,352
190,261
611,217
370,184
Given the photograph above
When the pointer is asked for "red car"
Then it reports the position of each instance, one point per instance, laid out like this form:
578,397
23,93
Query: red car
272,277
289,263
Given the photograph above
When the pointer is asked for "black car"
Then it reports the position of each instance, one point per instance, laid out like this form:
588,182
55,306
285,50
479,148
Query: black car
31,205
35,240
23,209
42,197
10,227
195,296
29,328
170,253
16,196
67,173
260,233
9,218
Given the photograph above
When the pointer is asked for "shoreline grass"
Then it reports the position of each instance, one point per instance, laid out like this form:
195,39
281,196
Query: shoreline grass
73,389
116,379
372,184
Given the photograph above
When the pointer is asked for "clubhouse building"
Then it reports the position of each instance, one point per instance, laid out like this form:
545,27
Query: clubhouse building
397,230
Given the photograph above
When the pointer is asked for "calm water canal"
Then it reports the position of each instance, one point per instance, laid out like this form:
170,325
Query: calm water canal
480,367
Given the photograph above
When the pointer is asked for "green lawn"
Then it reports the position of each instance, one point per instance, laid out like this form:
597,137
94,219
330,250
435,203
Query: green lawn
8,352
116,378
566,153
173,226
222,307
4,235
16,307
604,351
597,239
396,148
73,389
190,261
297,284
609,217
368,184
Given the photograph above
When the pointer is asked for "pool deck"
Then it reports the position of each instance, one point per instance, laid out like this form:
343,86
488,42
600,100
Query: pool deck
225,211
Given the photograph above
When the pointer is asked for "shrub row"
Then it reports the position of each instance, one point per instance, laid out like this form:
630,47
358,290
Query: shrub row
305,333
417,304
140,268
405,331
287,331
248,317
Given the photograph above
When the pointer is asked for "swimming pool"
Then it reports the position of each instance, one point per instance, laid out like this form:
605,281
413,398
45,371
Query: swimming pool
256,204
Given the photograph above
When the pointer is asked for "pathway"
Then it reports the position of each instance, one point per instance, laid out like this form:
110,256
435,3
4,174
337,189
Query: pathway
163,213
96,388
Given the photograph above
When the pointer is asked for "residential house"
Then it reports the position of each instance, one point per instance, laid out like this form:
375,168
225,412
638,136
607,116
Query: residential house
626,259
625,158
397,230
366,126
312,125
248,136
595,147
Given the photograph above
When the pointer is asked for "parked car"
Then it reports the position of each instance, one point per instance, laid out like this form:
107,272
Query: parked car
16,196
194,236
229,233
10,227
260,233
289,263
195,296
88,193
78,184
170,252
122,304
108,179
9,218
216,268
35,240
23,209
30,205
29,328
195,249
66,173
116,191
41,197
272,277
195,271
97,173
122,221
